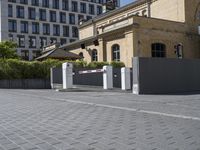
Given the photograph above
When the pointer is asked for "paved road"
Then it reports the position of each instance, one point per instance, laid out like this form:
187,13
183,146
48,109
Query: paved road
50,120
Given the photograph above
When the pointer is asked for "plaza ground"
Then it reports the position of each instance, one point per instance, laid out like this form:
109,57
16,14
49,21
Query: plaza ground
97,120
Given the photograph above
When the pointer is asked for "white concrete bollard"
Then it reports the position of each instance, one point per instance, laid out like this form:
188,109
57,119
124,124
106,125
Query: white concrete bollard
125,78
107,77
67,75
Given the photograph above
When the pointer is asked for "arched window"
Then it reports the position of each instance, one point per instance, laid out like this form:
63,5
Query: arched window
116,52
94,55
158,50
81,55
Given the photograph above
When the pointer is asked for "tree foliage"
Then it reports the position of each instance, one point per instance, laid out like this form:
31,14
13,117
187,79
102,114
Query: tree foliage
8,50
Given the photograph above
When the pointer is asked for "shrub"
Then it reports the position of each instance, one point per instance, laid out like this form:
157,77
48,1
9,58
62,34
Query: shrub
117,64
96,64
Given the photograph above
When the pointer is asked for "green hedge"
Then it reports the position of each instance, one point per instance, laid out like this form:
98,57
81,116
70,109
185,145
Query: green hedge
18,69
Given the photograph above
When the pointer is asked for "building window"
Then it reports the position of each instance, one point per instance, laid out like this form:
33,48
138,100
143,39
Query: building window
75,32
46,29
72,18
21,41
65,4
32,42
53,40
35,28
35,54
20,12
12,25
94,55
56,4
10,36
89,17
66,31
53,16
13,1
25,54
116,52
72,40
63,41
45,3
91,9
158,50
35,2
10,10
43,16
56,30
62,17
24,1
80,18
43,42
99,10
83,7
74,6
24,26
31,13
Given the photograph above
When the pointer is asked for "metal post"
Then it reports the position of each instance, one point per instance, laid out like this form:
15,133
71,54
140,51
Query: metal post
67,75
125,78
107,77
51,78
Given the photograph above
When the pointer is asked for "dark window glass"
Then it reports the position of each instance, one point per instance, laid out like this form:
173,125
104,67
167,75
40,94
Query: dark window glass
80,17
35,2
43,42
45,3
31,13
91,9
94,55
35,28
74,32
24,1
63,41
66,31
89,17
53,16
24,27
56,4
13,1
12,25
158,50
62,17
10,10
21,40
25,54
36,54
32,42
74,6
72,18
99,10
53,40
65,4
83,7
46,29
56,30
20,12
43,15
116,52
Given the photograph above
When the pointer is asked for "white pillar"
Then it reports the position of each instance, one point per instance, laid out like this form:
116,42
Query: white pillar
125,78
67,75
107,77
51,78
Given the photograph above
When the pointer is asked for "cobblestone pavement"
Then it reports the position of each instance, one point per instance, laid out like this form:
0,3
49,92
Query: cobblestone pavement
50,120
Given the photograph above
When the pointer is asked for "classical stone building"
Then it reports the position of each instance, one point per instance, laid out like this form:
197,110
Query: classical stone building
145,28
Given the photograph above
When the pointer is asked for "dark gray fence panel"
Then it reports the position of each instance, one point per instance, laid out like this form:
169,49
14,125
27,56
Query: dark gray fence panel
25,84
117,77
94,79
57,75
163,76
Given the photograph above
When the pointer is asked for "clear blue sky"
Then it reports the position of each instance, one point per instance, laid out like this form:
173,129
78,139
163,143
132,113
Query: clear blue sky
124,2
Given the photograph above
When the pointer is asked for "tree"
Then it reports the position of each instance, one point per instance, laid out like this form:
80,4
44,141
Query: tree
8,50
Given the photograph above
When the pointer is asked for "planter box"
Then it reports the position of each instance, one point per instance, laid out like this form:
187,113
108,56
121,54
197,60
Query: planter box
25,84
